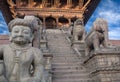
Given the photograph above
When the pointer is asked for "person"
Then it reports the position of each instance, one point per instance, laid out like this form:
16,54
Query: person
22,62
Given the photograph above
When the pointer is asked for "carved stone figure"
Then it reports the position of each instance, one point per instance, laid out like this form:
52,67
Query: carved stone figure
96,37
22,62
78,30
37,30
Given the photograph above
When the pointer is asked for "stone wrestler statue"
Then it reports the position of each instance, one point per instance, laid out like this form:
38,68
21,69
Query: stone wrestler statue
19,56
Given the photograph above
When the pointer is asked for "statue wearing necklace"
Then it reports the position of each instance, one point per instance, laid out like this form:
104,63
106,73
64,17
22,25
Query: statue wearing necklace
19,56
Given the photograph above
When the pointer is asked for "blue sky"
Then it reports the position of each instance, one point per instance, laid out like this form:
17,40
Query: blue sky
107,9
110,11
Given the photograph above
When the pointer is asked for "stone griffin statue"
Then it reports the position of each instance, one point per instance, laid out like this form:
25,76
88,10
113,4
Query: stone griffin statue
78,30
97,37
19,57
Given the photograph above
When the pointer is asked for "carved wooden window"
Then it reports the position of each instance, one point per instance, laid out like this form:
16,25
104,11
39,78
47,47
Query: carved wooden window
75,3
24,3
37,3
63,3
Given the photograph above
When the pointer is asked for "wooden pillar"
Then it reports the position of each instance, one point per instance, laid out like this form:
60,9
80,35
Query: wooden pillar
57,21
18,3
30,3
44,25
81,3
69,3
69,21
56,3
44,3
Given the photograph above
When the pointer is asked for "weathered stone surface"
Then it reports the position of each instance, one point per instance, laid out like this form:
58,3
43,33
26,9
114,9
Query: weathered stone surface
78,30
22,62
96,37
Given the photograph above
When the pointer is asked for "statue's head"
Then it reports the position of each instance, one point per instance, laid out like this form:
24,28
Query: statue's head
79,22
21,31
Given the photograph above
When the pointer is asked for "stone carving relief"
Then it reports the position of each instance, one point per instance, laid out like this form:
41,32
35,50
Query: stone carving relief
21,61
96,38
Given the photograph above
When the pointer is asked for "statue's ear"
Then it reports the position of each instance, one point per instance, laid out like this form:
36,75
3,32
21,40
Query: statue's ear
32,37
10,38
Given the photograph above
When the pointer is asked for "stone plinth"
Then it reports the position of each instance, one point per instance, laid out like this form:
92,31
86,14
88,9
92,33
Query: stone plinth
48,66
79,47
78,44
44,46
104,65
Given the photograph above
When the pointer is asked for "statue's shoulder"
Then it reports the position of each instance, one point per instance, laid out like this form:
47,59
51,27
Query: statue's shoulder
36,50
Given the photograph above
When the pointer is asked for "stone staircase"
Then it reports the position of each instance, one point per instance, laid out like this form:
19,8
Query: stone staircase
66,65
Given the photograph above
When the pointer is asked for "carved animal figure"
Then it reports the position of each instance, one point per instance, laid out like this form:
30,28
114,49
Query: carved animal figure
96,37
78,30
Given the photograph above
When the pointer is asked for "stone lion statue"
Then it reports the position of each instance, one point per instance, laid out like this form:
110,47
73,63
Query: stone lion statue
96,38
78,30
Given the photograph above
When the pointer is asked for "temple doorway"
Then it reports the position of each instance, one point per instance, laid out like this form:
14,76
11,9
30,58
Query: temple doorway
63,22
50,23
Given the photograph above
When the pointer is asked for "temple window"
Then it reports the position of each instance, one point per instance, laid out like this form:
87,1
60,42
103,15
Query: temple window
37,3
24,3
63,3
75,3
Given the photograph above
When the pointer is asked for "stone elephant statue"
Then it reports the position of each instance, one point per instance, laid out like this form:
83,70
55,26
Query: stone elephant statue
96,38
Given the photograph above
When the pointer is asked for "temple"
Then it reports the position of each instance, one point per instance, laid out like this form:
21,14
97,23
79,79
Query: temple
53,13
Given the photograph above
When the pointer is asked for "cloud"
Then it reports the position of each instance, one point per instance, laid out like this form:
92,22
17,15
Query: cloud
110,11
114,33
111,16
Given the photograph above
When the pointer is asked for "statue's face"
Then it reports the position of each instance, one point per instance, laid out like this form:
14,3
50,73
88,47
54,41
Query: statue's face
21,34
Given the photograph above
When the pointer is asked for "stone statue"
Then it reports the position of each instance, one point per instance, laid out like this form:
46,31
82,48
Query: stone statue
22,62
96,37
78,30
37,30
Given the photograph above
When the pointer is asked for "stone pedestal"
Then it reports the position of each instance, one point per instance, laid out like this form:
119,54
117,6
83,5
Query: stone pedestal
79,46
104,65
44,46
48,66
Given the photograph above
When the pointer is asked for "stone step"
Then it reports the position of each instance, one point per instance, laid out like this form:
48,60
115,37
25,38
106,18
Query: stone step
65,58
68,67
70,71
72,80
66,63
80,76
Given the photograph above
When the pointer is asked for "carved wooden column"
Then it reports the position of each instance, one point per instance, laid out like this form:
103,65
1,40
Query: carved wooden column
30,3
44,25
69,21
18,3
57,22
56,3
69,3
81,3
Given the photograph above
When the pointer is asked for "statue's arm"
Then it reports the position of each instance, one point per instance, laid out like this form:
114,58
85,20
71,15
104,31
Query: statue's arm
38,65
